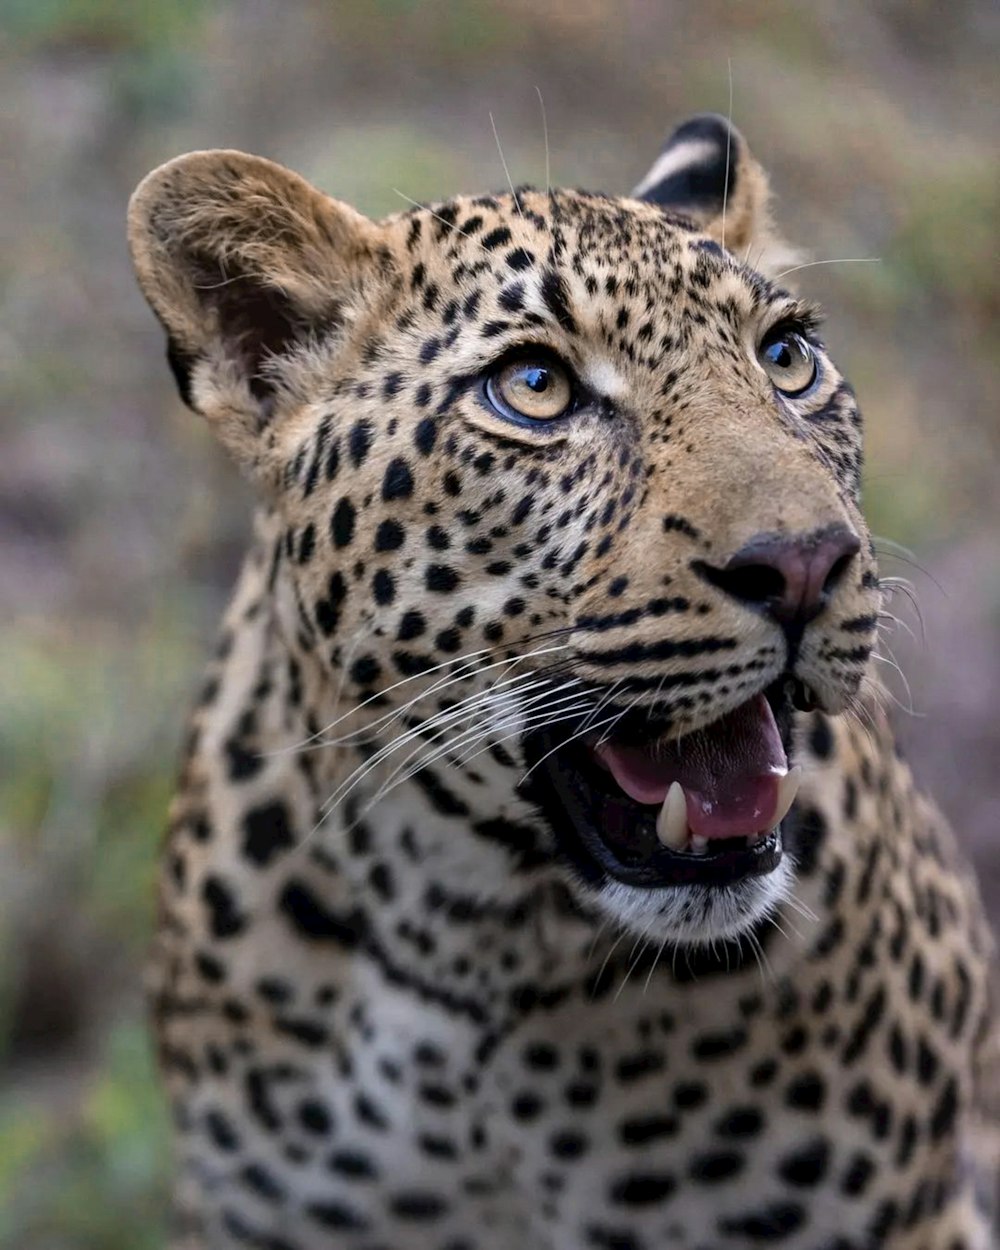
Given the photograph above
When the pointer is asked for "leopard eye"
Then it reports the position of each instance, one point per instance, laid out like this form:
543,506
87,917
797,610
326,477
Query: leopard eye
788,360
530,388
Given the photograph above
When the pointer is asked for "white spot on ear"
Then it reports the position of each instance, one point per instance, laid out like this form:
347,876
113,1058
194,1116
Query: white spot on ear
681,156
602,377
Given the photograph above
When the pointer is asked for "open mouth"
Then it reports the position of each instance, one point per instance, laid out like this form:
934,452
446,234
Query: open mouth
651,809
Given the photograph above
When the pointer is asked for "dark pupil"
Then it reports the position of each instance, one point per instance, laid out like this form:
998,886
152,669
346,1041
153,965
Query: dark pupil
537,380
780,354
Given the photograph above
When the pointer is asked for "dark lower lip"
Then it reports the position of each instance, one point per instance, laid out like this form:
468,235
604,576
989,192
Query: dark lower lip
561,780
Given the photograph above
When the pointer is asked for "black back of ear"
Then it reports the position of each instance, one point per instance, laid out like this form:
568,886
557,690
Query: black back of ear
697,168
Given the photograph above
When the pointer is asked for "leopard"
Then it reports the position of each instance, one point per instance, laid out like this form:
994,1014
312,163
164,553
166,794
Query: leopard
543,871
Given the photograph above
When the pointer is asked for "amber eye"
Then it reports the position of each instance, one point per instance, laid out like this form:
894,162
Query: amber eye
788,360
530,388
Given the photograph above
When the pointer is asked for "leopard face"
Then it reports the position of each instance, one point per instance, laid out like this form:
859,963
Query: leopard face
563,495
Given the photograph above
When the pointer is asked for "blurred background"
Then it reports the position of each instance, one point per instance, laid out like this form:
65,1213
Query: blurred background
122,523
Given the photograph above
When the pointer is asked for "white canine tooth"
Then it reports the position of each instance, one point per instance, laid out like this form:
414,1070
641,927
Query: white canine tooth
788,788
698,844
672,822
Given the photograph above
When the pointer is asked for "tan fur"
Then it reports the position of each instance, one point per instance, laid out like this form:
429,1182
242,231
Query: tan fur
395,1006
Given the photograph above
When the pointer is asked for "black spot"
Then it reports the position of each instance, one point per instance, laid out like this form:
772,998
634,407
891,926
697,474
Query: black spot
857,1176
526,1106
425,435
389,536
807,1164
774,1222
225,919
418,1205
639,1130
412,625
221,1131
642,1189
241,762
256,1177
313,920
763,1073
359,442
807,1092
945,1110
429,350
679,525
369,1112
437,1147
719,1045
542,1056
821,738
511,298
383,587
927,1062
496,238
274,990
314,1117
337,1216
307,544
634,1067
741,1123
441,578
259,1101
380,877
352,1163
580,1094
209,968
689,1095
569,1144
520,258
328,609
554,294
365,670
398,480
267,831
343,522
305,1031
719,1165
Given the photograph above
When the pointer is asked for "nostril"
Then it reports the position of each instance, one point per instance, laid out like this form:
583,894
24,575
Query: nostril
749,583
837,571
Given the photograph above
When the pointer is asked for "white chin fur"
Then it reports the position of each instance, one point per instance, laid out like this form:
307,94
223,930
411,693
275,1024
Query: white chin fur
696,914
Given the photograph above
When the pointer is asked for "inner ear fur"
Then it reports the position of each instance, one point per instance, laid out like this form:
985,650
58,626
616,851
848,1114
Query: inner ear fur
707,173
240,258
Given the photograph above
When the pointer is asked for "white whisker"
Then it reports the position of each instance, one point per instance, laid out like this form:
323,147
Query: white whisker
545,133
844,260
729,145
503,162
416,204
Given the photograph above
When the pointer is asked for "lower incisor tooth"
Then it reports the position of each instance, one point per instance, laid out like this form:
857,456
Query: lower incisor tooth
788,788
698,845
671,823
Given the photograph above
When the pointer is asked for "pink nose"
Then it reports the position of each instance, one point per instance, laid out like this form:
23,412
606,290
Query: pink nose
791,577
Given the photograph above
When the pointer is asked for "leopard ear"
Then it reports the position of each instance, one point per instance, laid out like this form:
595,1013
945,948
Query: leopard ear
242,261
706,173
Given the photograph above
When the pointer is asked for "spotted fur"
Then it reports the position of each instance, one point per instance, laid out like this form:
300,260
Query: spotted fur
393,1013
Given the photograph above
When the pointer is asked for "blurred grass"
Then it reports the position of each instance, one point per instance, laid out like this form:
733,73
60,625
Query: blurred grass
88,736
93,1180
124,521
